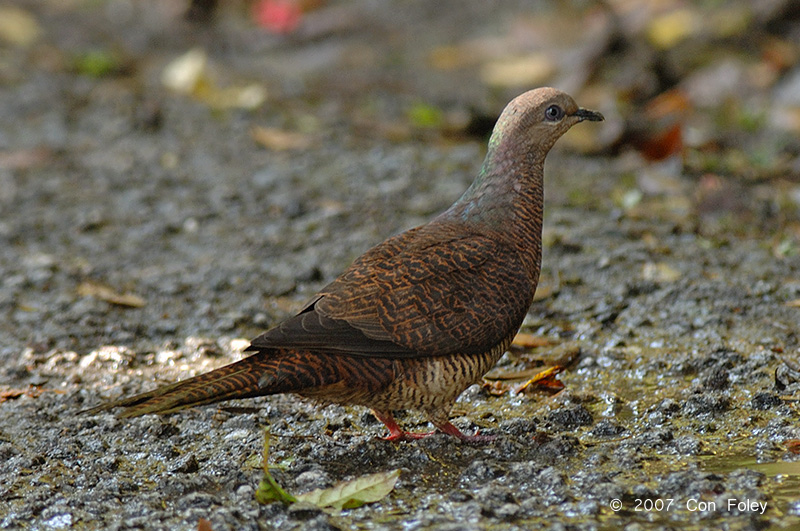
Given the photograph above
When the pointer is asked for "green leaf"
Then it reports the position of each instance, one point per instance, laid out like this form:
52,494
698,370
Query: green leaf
354,493
425,116
97,63
346,495
268,489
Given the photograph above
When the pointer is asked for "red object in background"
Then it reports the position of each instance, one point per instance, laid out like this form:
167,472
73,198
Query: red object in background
664,136
278,16
659,145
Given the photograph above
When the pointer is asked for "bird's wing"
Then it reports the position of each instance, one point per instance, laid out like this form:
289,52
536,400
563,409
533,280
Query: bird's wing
415,295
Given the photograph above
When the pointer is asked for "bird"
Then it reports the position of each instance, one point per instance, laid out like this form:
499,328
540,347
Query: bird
417,319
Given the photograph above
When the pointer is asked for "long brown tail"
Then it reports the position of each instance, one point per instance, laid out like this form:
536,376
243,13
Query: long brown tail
263,373
237,380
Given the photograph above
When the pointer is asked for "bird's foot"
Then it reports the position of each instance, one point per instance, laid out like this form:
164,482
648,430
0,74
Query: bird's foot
397,434
449,429
400,435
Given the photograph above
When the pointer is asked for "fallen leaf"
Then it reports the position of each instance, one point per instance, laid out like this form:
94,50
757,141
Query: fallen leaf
541,379
18,27
660,272
184,73
793,304
345,495
668,30
529,70
668,103
793,445
660,145
779,54
250,96
10,394
97,63
32,391
108,294
530,341
501,374
546,379
204,525
189,75
354,493
425,116
278,139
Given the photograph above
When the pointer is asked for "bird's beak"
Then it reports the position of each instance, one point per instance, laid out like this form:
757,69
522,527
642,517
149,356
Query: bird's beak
586,114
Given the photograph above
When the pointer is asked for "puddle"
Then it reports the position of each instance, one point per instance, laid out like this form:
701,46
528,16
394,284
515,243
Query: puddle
784,476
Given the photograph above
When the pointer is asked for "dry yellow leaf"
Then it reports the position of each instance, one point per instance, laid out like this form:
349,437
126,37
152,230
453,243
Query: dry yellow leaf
547,374
18,27
278,139
529,70
106,293
669,29
530,341
185,73
660,272
189,75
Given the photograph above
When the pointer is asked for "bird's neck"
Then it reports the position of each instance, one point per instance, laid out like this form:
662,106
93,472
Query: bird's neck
507,195
506,199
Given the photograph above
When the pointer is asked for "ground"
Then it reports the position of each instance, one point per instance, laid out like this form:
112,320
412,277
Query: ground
146,233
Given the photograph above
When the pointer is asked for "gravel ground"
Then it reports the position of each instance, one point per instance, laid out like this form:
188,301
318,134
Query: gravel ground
679,398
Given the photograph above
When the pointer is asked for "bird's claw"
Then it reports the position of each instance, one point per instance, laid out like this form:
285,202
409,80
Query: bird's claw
399,435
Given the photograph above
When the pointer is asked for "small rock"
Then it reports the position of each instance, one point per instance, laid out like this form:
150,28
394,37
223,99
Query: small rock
765,400
705,404
507,511
304,511
568,419
186,464
313,479
606,428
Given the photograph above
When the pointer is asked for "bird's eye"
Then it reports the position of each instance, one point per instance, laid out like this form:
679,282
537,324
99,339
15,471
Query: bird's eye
554,113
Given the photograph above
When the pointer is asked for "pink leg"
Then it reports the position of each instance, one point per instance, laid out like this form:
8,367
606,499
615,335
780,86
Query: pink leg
449,429
395,432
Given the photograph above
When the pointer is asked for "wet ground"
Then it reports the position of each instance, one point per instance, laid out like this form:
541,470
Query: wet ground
145,235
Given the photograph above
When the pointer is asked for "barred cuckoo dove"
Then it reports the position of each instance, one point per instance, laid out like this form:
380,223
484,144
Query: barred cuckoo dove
419,318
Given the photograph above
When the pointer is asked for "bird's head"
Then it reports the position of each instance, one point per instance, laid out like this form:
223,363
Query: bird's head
533,121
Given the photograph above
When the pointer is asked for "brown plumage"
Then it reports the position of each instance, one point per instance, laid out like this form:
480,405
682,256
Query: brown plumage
420,317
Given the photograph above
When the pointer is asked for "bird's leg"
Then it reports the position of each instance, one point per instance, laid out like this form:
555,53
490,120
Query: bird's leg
396,433
449,429
440,417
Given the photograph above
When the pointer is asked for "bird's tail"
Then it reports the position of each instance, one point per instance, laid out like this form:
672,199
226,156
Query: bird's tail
237,380
266,372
